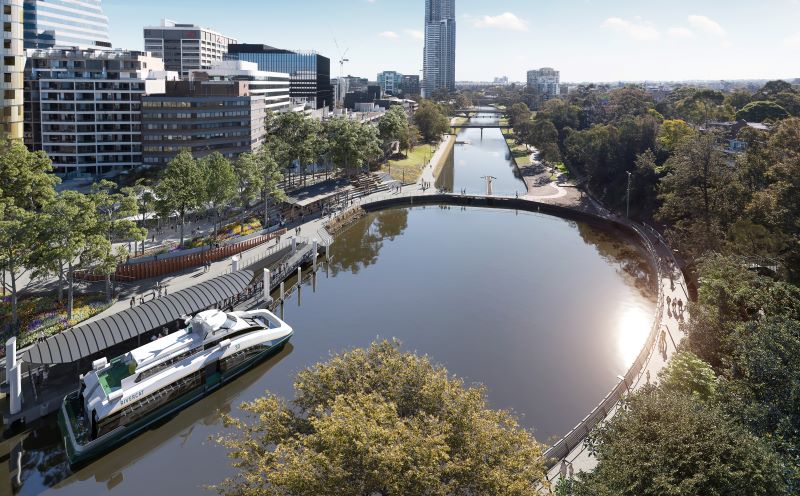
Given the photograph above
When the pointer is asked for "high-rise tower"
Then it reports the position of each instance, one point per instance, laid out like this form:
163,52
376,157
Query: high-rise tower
439,57
66,23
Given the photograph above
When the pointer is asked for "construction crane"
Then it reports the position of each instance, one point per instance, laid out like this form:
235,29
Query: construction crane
342,60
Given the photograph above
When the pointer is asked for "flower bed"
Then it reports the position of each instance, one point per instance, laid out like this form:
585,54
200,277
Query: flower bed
229,231
44,315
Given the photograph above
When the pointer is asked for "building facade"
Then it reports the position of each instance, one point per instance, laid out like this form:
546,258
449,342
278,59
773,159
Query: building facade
272,86
205,117
390,82
545,84
409,85
439,54
185,47
11,124
310,72
65,23
83,107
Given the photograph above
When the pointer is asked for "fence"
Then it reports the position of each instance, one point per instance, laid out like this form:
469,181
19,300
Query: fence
156,268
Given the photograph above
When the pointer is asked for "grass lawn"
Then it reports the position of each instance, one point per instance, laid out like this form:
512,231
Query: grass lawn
410,168
520,153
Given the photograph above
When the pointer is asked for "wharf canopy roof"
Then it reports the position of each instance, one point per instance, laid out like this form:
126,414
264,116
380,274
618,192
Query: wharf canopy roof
88,339
318,192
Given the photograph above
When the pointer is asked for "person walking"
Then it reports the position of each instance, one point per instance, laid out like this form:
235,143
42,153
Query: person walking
563,470
133,301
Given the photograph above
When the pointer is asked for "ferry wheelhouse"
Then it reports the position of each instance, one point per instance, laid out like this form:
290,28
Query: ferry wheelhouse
119,399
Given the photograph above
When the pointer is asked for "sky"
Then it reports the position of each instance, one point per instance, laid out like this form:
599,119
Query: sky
587,40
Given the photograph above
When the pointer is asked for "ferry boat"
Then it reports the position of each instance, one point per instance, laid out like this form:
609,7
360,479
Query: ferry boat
119,399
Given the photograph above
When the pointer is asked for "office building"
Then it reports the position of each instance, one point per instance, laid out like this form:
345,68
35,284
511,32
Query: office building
224,116
390,82
545,84
310,72
185,47
83,107
272,86
66,23
11,124
439,55
409,85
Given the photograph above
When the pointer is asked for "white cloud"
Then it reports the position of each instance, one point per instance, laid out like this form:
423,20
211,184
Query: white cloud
506,20
792,41
388,34
636,29
681,33
414,33
706,24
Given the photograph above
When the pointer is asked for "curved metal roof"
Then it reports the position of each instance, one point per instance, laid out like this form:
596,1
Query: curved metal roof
88,339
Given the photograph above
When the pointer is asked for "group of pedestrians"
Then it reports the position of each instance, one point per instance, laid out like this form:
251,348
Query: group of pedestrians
157,292
206,266
566,470
675,308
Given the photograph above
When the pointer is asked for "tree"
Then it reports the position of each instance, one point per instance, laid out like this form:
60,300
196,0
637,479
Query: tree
629,102
220,184
181,187
663,442
686,373
393,125
519,113
115,214
352,144
293,137
69,236
671,133
145,201
26,185
431,120
761,111
271,177
249,180
380,421
410,138
700,195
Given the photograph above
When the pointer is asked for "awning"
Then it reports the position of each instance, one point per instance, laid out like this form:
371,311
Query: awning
88,339
318,192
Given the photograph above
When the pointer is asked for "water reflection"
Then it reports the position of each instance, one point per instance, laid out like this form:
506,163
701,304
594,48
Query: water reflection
536,308
634,323
360,248
480,153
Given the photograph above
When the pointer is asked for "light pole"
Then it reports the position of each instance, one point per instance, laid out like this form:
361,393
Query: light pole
628,197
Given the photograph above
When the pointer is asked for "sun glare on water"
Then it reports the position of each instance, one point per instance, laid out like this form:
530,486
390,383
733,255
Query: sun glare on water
632,329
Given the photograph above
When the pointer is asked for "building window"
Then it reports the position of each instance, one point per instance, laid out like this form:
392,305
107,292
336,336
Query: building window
9,61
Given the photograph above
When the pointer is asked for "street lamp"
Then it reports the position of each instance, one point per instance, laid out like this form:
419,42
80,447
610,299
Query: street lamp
628,197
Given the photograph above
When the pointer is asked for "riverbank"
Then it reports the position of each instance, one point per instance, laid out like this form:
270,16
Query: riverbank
430,173
409,169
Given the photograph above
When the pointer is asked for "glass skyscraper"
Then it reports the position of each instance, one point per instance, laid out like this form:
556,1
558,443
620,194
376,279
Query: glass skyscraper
309,72
439,59
65,23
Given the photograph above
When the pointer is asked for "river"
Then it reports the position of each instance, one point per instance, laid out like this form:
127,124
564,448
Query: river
545,313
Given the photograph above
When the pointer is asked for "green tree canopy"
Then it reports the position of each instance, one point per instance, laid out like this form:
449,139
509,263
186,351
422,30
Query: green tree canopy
380,421
352,144
181,187
666,443
393,125
26,186
431,120
761,111
219,183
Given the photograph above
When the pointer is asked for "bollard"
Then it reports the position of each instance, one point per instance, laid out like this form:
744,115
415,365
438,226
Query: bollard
328,251
267,283
14,377
282,292
316,249
235,263
294,245
299,276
